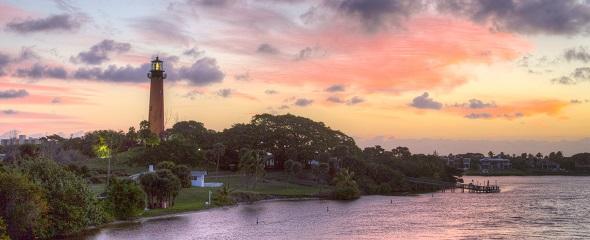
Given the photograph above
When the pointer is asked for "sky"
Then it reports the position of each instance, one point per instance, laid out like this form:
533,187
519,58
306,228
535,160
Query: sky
445,76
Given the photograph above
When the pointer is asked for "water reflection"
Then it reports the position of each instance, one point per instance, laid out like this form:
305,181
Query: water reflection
528,207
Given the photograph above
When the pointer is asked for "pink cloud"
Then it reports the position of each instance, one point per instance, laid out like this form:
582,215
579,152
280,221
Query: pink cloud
9,13
418,58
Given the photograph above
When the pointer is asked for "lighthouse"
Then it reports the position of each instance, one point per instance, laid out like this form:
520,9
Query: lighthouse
156,111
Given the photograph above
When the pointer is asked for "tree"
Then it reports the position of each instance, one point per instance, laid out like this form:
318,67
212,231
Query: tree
72,206
218,151
173,150
166,165
161,188
194,133
183,173
252,165
346,188
293,167
132,137
125,199
490,154
286,137
401,152
146,136
23,206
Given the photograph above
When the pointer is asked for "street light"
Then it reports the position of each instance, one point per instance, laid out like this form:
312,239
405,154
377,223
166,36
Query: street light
103,151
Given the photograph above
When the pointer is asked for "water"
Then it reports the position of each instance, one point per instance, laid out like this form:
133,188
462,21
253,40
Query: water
551,207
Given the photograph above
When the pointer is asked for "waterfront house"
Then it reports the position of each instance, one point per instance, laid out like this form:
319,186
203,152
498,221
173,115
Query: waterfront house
488,164
466,163
549,165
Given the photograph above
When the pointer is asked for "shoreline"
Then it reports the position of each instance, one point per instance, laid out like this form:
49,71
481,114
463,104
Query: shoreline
270,198
142,219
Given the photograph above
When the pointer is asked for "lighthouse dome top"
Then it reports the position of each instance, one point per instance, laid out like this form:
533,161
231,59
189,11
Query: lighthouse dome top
157,65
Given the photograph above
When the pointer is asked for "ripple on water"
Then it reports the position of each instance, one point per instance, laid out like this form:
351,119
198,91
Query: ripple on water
527,208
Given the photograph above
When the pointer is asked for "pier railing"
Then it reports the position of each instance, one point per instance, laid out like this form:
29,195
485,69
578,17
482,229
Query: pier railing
434,185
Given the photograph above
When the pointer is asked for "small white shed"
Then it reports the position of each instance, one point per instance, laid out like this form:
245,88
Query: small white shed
198,178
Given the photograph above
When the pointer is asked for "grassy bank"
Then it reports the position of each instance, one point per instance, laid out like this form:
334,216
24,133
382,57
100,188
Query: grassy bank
193,199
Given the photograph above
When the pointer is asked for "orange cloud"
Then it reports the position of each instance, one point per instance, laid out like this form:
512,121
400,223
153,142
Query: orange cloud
550,107
417,58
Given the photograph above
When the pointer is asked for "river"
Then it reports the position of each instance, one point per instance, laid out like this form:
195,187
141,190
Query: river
548,207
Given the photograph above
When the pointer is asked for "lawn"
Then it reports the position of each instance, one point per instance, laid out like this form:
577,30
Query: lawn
268,186
192,199
189,199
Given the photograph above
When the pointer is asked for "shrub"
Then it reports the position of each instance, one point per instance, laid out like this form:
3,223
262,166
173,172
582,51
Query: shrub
346,187
160,186
223,197
72,206
125,199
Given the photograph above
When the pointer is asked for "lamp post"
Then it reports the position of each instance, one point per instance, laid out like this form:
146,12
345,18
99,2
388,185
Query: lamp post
104,151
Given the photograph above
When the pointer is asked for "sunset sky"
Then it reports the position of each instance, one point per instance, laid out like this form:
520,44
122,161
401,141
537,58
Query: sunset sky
451,76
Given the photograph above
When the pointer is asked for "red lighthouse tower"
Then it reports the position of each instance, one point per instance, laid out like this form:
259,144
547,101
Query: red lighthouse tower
156,112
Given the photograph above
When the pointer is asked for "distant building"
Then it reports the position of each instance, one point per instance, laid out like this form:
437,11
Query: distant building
466,163
549,165
494,164
20,140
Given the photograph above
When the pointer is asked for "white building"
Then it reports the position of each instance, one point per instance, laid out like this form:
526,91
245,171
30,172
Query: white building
198,178
22,139
466,163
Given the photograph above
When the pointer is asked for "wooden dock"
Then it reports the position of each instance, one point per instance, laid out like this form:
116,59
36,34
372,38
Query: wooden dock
424,184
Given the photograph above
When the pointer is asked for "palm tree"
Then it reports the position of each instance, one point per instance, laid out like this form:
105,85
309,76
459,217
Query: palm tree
252,164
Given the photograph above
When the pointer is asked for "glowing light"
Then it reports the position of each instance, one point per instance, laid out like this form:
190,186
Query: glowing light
102,150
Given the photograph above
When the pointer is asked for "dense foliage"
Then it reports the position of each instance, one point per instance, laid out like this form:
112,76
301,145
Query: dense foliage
71,205
183,172
24,207
345,186
125,199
